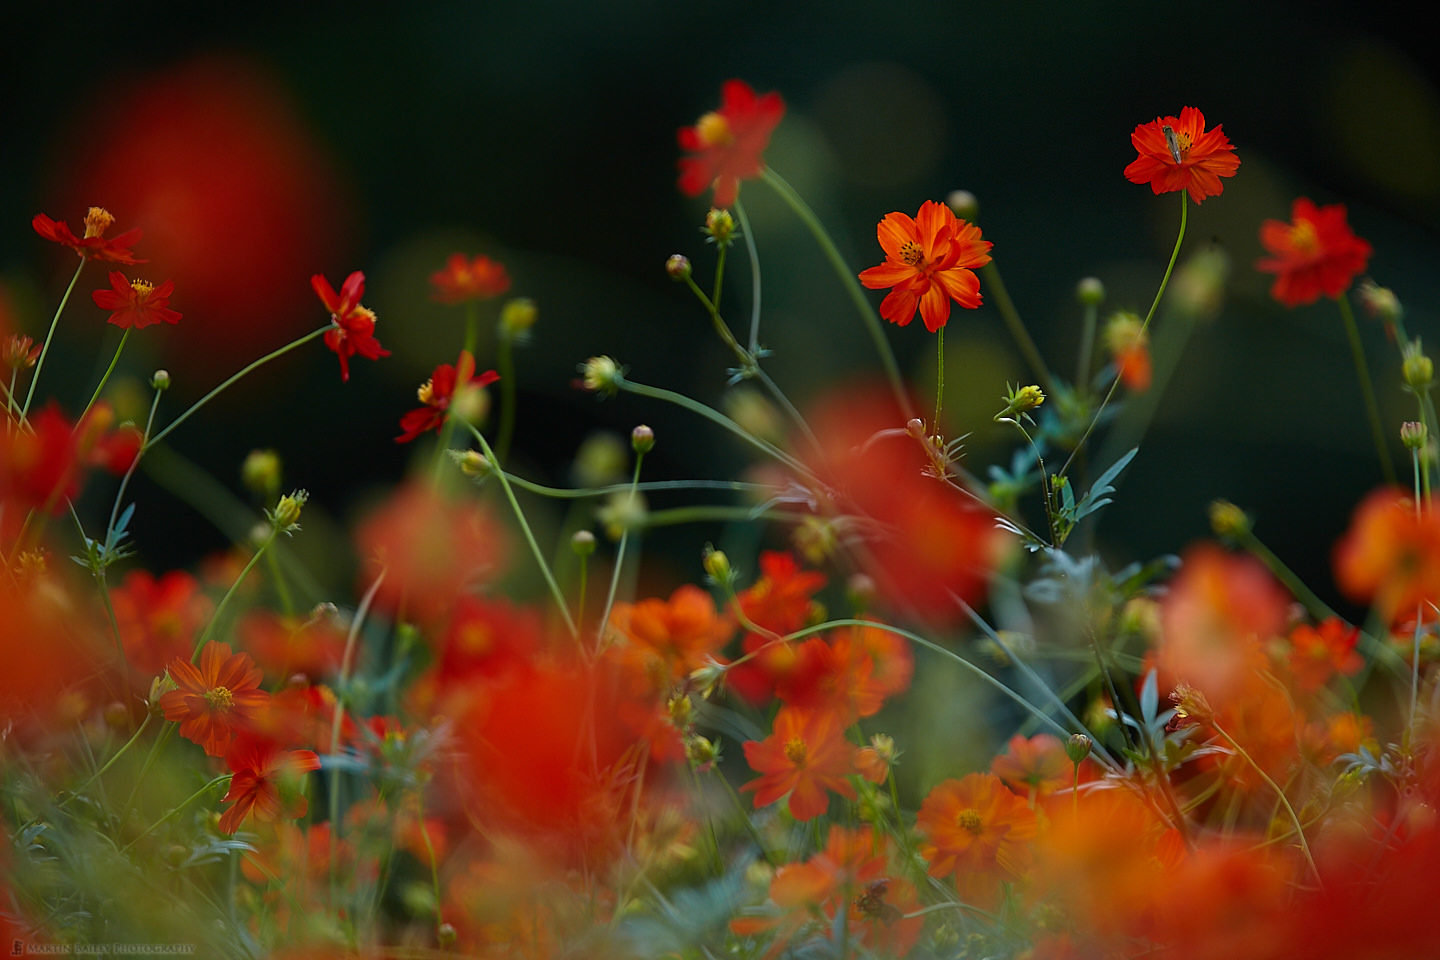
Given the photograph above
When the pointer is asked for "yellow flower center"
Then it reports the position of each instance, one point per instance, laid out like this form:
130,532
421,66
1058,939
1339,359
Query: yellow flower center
1303,237
970,820
795,751
97,221
426,393
912,253
713,130
219,698
142,288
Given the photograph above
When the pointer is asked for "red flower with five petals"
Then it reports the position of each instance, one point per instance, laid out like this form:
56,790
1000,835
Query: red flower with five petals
215,699
1178,153
136,303
929,261
727,143
92,246
805,756
439,392
354,331
1315,253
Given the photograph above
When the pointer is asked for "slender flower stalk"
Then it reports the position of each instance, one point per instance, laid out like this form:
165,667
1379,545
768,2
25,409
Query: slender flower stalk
49,335
100,387
1362,373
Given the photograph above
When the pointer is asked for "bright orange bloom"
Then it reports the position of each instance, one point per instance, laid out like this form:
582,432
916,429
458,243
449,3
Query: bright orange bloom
93,246
1187,157
977,830
354,331
1315,253
780,601
1037,765
464,279
726,144
805,756
439,391
1390,556
670,638
929,261
1318,653
216,700
136,303
260,770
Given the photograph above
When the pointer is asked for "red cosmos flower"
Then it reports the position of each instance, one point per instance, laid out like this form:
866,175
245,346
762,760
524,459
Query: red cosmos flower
929,261
93,246
136,303
1316,253
438,392
1037,766
806,755
216,699
44,468
260,771
462,279
1188,157
354,331
158,618
977,830
727,143
1318,653
1390,556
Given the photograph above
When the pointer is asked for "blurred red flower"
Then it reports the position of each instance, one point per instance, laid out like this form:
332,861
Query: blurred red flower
727,143
215,700
463,279
43,468
929,261
439,391
136,303
158,619
1390,555
1317,654
258,785
977,830
354,331
92,246
1315,253
1178,153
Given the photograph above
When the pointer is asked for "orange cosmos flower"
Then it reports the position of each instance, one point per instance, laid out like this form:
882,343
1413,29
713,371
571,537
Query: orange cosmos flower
93,246
977,830
1318,653
1178,153
1316,253
216,699
136,303
354,331
1037,765
439,391
263,776
463,279
727,143
929,261
805,756
671,638
1390,556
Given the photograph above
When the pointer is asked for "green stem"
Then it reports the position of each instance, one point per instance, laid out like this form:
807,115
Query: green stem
1160,293
45,348
619,562
109,763
245,371
747,362
529,535
1313,605
1087,346
342,683
1362,372
719,276
939,377
176,809
108,370
1284,801
850,280
225,600
505,363
1023,340
584,493
282,590
754,276
715,416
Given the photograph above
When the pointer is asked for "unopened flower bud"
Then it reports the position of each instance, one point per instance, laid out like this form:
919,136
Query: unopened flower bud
884,745
915,427
160,380
717,565
260,472
705,678
1417,370
719,226
701,753
642,439
963,204
1020,400
678,266
1381,303
1078,747
1228,521
159,686
623,511
601,375
1191,704
20,352
681,711
582,543
471,404
117,717
1198,289
1090,292
446,934
1412,434
472,463
518,315
286,515
861,591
